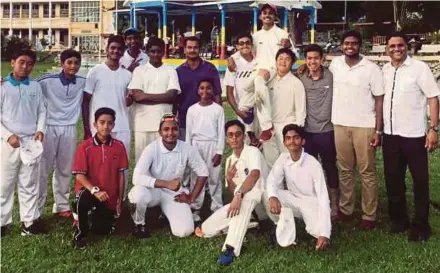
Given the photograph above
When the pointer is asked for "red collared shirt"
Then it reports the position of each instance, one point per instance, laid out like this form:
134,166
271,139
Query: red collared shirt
101,163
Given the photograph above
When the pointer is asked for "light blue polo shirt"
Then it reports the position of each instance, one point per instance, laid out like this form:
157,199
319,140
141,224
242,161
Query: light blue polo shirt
63,97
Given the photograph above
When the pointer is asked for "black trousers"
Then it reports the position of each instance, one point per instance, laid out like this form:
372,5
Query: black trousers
323,145
398,153
93,215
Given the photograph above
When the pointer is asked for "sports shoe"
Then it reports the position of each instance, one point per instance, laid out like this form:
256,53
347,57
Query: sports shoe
140,231
79,241
35,229
267,135
227,257
342,217
368,225
397,228
65,214
419,234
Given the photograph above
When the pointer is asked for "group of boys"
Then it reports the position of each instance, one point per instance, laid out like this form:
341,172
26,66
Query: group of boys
338,115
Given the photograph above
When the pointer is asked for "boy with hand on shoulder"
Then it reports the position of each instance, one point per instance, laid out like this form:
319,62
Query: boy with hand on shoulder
99,167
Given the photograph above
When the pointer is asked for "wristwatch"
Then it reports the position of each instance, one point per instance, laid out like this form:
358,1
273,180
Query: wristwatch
434,128
379,132
94,190
239,193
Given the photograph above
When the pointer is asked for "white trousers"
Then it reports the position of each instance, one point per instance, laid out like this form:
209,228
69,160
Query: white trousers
14,172
236,226
256,93
305,209
275,146
178,214
125,137
207,150
142,140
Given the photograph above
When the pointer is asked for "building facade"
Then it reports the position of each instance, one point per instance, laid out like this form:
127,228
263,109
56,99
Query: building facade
83,25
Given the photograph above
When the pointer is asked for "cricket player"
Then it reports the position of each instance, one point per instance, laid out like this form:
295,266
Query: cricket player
157,180
23,122
133,56
63,92
205,130
306,195
245,172
99,168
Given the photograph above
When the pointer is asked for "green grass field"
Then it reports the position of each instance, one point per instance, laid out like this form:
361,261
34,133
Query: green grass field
352,250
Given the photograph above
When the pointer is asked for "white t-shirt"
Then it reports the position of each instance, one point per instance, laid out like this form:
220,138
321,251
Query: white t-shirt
206,123
152,80
126,59
267,43
406,91
240,78
108,89
354,89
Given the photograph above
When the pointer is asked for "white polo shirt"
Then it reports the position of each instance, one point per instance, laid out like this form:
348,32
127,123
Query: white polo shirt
108,89
406,90
250,159
240,78
305,180
157,162
267,43
288,98
354,89
126,59
152,80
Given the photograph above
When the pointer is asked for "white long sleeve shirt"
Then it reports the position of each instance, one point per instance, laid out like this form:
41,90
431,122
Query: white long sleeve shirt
157,162
305,181
206,123
23,108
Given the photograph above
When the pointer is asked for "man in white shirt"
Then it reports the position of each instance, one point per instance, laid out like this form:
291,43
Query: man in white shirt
357,118
306,196
244,174
267,42
106,86
288,99
236,81
157,180
133,56
154,87
409,84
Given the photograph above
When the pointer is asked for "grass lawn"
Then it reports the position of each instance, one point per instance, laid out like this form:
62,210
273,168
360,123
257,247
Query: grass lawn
352,250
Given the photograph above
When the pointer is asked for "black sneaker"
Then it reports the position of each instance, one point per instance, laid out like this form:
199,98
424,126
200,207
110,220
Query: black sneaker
272,241
3,231
140,231
35,229
79,242
419,234
397,228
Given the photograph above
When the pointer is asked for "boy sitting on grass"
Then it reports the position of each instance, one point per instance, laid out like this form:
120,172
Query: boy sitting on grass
99,168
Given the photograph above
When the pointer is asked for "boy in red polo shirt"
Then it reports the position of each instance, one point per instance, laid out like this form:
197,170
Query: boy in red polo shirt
99,168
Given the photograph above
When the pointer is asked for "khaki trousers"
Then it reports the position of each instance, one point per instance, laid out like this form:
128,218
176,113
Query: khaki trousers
353,150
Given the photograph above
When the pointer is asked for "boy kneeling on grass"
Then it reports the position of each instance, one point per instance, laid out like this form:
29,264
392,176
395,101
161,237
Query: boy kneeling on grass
99,168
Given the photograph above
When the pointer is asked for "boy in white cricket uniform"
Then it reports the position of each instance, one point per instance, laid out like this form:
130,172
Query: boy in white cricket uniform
236,81
205,123
133,56
63,92
154,87
267,42
106,86
157,181
306,196
244,175
23,122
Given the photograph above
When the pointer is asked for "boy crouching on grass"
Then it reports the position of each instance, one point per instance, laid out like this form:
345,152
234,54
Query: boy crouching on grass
99,168
23,120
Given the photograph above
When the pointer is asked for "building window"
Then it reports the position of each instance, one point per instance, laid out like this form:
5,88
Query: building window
85,11
15,11
86,43
6,10
35,10
25,11
64,10
46,10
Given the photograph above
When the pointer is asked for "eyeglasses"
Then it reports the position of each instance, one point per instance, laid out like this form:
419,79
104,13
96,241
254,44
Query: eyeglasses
155,51
241,43
236,134
396,46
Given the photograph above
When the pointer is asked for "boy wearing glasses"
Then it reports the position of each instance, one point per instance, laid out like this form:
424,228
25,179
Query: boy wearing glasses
157,180
245,173
154,87
205,122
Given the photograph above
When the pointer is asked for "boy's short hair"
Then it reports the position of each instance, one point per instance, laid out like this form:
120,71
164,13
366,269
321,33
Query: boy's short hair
234,122
244,35
205,80
191,38
154,41
398,34
287,51
69,53
293,127
105,111
24,52
116,39
313,48
352,33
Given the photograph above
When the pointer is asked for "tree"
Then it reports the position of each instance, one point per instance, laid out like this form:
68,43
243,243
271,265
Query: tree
11,44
